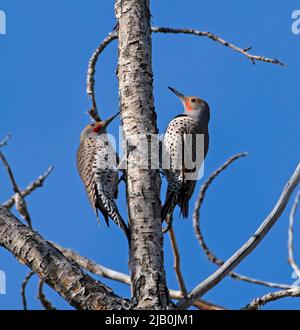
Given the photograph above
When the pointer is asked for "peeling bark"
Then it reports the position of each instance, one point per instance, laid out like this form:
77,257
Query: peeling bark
139,119
62,274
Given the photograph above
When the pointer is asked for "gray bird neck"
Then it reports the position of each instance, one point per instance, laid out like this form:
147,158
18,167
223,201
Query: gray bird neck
200,117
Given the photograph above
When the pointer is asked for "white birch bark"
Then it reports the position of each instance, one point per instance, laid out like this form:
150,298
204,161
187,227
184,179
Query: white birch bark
138,117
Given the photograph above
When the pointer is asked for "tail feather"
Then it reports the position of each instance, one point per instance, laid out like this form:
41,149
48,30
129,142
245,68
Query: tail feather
180,198
185,195
117,218
110,209
170,203
184,205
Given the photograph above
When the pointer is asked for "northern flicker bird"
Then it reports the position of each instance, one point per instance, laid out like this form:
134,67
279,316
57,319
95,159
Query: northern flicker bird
182,172
98,168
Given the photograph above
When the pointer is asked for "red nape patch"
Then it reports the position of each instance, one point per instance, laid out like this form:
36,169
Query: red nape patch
97,128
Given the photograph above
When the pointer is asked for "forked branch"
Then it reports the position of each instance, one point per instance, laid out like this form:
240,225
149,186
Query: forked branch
21,205
30,188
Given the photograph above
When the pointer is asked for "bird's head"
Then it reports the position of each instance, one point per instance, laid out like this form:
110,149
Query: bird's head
190,103
96,128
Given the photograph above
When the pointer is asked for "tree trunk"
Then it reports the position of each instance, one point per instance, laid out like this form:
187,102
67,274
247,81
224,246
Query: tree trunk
138,118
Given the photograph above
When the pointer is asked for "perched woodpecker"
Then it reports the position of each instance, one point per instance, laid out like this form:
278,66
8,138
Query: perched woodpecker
181,177
97,166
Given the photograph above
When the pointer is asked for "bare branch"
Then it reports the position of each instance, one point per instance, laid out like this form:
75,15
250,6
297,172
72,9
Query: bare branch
169,224
199,303
90,88
196,224
21,205
22,208
114,275
23,289
10,173
157,29
92,266
61,274
291,258
177,267
247,248
30,188
5,140
202,192
243,51
260,301
41,296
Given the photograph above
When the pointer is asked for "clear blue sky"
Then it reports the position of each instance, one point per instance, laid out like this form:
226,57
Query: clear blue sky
43,66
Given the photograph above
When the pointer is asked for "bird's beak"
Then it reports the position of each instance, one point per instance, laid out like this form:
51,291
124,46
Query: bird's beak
177,93
109,120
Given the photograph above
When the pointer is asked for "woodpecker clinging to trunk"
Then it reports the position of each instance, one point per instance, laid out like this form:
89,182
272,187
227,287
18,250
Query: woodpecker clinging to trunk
97,166
182,172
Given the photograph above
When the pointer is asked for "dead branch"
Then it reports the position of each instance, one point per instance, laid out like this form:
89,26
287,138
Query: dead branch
23,289
291,258
5,140
62,275
90,89
169,224
177,267
93,267
114,275
157,29
196,224
21,205
247,248
10,173
243,51
260,301
30,188
42,298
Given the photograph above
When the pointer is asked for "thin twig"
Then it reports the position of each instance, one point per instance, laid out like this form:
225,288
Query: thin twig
177,267
291,258
10,173
199,303
92,266
30,188
260,301
114,275
243,51
169,223
196,224
247,248
23,289
5,140
21,205
41,296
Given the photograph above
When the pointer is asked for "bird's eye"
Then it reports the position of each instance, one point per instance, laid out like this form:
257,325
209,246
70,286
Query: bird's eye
92,125
193,100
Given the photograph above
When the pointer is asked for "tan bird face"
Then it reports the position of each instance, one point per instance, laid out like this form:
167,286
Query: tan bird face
93,129
96,128
190,103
